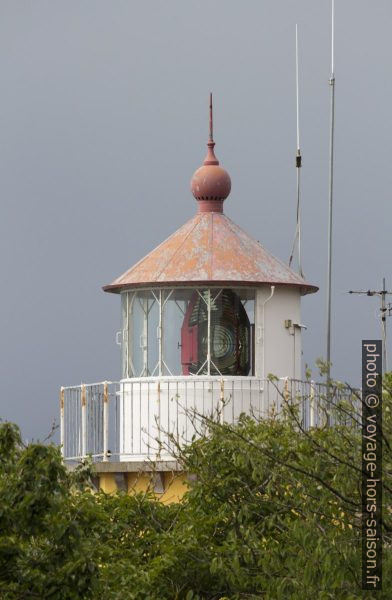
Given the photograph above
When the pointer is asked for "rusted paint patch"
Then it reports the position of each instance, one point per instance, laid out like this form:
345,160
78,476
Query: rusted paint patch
209,248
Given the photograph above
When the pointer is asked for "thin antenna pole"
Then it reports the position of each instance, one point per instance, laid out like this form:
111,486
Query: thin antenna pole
296,81
331,156
333,38
298,163
298,157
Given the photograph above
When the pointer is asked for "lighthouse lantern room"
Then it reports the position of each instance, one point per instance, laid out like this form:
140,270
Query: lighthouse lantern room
206,317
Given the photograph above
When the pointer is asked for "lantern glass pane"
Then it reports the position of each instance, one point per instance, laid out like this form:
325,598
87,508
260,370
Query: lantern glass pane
175,305
169,335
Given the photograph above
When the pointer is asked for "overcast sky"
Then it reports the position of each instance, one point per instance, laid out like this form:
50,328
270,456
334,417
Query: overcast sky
103,120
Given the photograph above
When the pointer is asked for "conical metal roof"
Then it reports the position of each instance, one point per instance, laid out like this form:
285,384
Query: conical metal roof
209,249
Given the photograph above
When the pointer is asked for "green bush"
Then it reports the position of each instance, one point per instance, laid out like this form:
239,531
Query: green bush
272,512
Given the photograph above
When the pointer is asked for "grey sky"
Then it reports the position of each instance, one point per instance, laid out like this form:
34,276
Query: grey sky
103,119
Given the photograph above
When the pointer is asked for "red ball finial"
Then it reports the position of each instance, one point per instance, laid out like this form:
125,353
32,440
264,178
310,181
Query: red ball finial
211,183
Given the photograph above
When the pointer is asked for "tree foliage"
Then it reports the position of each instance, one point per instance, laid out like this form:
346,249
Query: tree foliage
273,511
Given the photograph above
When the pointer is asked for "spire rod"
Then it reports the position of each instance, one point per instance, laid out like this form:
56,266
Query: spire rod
211,138
211,159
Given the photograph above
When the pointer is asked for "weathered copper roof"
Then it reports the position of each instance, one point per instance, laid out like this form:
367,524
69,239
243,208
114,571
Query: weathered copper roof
209,249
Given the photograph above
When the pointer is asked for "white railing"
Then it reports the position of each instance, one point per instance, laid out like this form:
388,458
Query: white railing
147,418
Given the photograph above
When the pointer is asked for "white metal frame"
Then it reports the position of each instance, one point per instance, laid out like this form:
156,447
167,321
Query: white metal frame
168,403
161,296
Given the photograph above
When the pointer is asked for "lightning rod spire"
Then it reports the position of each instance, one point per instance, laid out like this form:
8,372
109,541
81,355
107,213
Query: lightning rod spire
211,137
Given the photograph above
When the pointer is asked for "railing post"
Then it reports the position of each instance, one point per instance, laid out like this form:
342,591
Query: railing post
158,418
84,421
62,422
105,422
312,416
160,336
209,334
222,401
286,394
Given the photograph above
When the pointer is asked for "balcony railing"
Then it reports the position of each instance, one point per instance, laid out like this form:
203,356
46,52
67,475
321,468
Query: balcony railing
147,418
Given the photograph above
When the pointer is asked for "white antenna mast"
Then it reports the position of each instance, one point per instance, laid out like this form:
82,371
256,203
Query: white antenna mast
331,148
296,81
298,163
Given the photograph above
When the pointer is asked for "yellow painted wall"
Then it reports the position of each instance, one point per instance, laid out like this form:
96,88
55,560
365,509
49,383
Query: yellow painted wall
107,483
175,487
138,482
174,484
